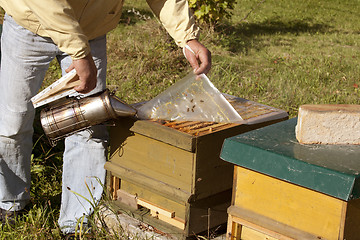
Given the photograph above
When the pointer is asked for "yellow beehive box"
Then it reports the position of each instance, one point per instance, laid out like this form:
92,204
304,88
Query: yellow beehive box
286,190
175,170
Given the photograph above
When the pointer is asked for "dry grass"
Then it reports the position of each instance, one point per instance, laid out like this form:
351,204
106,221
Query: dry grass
283,54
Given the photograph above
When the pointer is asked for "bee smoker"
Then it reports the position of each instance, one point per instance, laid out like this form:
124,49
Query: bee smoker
72,115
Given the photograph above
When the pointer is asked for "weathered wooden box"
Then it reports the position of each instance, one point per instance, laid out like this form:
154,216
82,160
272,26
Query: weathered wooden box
174,169
285,190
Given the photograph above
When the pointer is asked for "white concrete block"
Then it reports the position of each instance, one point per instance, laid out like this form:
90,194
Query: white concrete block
328,124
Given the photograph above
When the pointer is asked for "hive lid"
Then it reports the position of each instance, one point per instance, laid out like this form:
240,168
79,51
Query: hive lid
274,150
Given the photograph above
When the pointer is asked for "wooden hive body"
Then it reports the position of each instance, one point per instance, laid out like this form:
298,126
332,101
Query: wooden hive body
286,190
175,166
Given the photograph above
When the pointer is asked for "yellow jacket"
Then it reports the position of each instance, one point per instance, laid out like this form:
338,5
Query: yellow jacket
71,23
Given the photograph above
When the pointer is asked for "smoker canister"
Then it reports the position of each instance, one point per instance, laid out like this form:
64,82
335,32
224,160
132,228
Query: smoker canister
72,115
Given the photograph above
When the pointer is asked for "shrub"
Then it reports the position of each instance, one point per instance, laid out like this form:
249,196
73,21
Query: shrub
212,11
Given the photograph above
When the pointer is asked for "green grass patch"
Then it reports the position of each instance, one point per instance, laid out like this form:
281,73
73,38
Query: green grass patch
276,52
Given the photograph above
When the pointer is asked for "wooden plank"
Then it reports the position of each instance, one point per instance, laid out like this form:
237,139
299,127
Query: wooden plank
157,160
209,164
289,204
187,124
209,212
253,112
251,231
164,134
145,217
173,123
115,186
155,208
210,128
127,198
233,229
212,175
175,221
343,220
252,219
154,197
251,234
268,223
161,188
351,220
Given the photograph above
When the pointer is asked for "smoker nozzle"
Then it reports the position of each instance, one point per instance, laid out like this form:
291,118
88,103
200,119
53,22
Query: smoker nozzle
120,108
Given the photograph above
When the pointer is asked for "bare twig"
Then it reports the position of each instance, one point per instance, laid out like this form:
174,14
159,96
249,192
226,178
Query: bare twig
248,14
209,214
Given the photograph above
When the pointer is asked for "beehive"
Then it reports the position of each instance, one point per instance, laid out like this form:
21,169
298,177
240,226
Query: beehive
286,190
174,170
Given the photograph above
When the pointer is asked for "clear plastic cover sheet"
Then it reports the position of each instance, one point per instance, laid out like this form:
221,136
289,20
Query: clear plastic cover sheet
193,98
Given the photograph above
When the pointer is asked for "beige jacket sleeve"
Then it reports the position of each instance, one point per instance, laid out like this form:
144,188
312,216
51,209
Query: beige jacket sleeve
57,20
71,23
176,18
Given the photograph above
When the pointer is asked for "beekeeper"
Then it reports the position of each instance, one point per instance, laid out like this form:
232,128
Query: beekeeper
73,31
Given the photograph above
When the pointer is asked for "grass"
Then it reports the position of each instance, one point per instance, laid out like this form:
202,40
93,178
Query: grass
276,52
283,54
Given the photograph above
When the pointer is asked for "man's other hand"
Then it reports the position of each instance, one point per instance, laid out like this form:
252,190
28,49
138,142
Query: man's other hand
200,60
87,72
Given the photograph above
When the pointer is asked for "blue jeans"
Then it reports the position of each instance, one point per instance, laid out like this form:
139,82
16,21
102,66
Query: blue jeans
25,60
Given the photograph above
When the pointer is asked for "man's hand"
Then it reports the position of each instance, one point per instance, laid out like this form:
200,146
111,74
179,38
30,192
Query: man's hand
87,72
201,60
